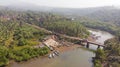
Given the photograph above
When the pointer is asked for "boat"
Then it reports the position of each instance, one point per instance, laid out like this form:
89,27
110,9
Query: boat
50,56
56,53
53,55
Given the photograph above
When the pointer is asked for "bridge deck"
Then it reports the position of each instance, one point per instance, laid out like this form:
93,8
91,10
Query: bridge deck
76,38
96,43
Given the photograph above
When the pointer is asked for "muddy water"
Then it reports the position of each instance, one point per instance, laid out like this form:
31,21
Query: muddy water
74,58
103,36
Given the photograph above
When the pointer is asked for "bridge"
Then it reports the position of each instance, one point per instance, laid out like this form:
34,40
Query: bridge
80,41
90,42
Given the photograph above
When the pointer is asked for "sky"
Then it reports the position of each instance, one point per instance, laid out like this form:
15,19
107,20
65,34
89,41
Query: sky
65,3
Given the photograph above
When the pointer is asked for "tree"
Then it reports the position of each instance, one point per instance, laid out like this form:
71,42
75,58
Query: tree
97,63
100,54
22,42
3,56
99,58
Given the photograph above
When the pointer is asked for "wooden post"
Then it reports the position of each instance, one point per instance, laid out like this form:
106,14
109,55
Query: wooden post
98,46
87,46
80,42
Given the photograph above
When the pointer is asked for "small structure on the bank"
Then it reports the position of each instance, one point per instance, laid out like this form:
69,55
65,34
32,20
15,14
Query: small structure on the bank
51,42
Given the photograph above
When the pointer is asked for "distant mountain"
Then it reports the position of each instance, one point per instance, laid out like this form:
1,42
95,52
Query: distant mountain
81,11
109,14
67,11
28,6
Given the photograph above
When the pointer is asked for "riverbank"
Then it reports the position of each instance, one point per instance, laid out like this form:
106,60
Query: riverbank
69,47
66,46
44,59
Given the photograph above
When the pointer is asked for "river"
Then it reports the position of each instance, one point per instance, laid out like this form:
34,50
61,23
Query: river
72,58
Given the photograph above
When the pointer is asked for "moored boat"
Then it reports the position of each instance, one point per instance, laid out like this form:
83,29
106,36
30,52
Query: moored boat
53,55
50,56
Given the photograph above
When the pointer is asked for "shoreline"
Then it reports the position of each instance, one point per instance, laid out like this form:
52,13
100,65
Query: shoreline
67,48
45,57
73,46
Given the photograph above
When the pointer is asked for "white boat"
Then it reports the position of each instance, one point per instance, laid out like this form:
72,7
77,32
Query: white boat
53,55
58,52
50,56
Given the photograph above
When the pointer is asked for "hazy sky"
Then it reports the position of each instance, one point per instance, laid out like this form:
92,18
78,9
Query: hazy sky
66,3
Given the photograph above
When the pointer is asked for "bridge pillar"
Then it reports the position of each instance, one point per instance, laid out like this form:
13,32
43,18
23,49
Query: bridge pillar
87,46
80,42
98,46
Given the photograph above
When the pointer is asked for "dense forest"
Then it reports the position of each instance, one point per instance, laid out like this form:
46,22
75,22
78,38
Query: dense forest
16,42
68,28
112,51
96,24
46,20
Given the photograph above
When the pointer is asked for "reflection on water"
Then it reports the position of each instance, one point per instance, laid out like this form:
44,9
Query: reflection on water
73,58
